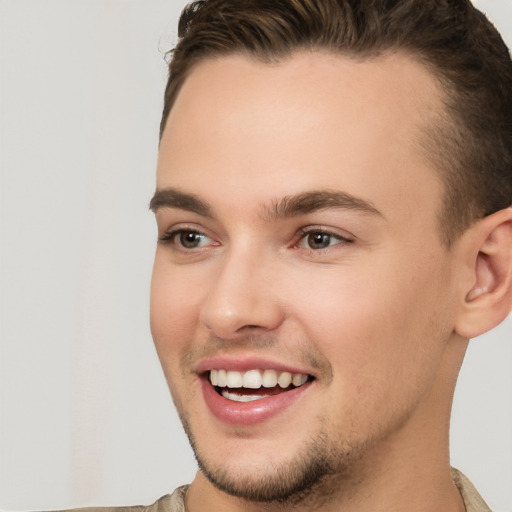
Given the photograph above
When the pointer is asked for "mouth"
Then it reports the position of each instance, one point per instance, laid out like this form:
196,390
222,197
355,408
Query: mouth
256,384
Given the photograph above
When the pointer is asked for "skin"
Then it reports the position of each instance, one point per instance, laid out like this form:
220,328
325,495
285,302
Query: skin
372,316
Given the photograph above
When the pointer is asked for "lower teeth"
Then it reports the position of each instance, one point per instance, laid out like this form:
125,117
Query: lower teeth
235,397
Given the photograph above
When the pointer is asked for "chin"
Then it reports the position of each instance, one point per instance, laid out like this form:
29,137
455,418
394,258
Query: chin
305,477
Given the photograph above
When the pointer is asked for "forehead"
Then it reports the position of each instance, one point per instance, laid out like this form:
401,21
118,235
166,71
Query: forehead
312,121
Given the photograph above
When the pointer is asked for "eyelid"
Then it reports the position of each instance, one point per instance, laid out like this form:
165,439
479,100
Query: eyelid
169,234
338,241
344,236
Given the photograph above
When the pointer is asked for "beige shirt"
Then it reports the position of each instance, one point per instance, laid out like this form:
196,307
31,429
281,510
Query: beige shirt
175,502
473,501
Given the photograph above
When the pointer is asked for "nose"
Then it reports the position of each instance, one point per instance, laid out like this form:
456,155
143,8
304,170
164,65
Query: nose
243,298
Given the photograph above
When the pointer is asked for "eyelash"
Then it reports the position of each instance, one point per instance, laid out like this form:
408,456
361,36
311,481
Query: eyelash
169,235
170,238
305,232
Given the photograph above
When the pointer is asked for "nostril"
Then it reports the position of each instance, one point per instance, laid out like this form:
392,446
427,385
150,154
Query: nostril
250,328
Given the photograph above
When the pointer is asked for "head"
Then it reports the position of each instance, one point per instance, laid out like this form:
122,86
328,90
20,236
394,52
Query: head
328,235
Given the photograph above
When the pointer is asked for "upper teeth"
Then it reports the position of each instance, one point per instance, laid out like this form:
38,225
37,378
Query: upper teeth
254,379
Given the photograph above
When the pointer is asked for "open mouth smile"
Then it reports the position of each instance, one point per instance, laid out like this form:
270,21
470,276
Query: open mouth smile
254,385
253,396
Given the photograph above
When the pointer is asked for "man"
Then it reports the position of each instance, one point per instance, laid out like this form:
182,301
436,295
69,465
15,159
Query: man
333,206
333,193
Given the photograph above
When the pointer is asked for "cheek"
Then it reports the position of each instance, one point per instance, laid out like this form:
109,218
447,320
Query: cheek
379,328
174,309
173,318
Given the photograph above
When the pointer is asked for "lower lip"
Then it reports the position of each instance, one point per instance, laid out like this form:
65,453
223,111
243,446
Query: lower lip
249,413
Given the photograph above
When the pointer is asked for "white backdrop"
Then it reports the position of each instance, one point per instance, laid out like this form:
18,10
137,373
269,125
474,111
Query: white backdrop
85,416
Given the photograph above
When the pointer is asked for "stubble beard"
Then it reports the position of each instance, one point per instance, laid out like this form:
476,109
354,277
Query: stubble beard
312,477
323,470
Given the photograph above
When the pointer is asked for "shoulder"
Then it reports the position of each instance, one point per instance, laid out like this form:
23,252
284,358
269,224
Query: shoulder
472,499
174,502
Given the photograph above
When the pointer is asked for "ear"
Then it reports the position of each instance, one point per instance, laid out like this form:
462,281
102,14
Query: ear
487,293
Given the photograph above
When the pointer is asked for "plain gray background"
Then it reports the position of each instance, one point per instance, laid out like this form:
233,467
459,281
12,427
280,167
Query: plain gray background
85,415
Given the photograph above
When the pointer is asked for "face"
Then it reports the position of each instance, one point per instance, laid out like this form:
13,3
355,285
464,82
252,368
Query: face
299,268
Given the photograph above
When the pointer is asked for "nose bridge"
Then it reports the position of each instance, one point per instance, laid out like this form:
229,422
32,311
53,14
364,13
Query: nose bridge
242,294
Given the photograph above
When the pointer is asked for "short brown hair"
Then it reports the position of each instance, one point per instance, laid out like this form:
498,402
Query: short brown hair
472,143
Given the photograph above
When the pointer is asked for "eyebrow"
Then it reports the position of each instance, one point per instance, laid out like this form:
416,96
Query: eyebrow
173,198
309,202
286,207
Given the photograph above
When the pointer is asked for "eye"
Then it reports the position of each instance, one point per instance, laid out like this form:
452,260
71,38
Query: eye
317,240
187,239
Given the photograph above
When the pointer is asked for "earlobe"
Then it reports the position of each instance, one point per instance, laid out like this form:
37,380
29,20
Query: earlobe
488,299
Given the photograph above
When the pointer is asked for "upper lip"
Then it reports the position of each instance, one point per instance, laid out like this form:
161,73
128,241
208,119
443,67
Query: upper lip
245,364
